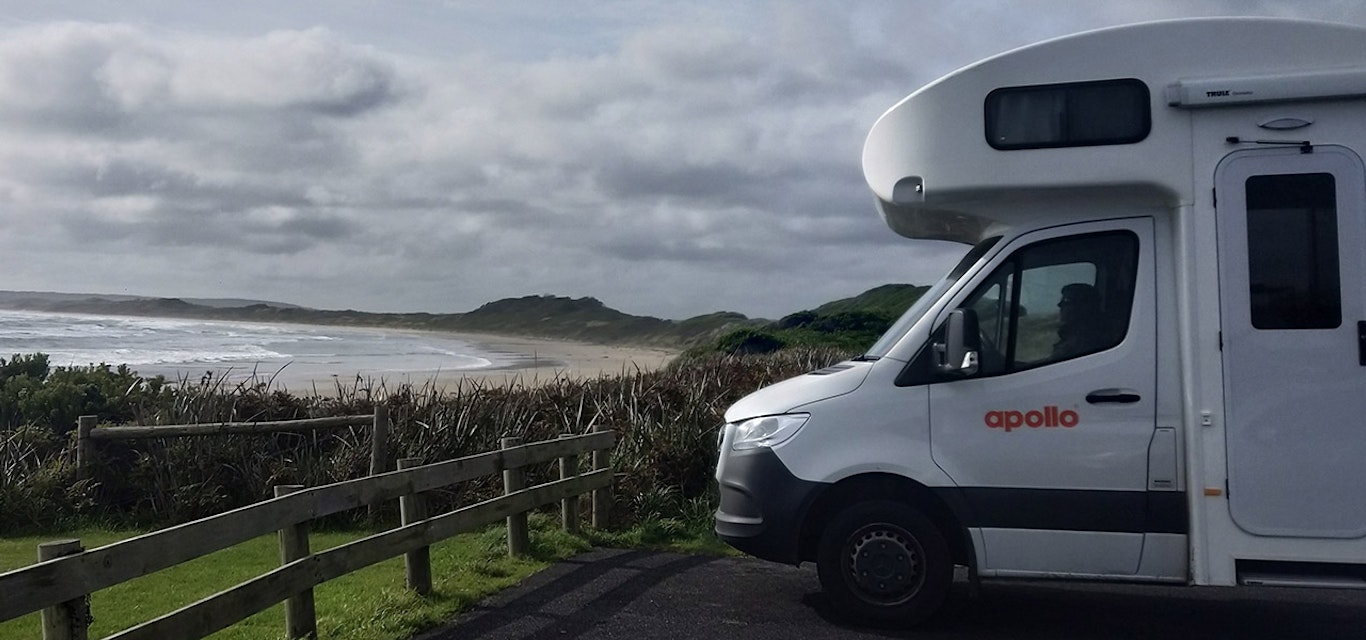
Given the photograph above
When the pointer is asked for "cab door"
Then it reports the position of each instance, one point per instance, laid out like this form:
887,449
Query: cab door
1293,320
1048,441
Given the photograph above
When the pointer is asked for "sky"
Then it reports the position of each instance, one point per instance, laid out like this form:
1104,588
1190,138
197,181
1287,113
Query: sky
668,158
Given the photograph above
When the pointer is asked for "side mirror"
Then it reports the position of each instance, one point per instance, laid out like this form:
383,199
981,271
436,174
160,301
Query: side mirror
958,353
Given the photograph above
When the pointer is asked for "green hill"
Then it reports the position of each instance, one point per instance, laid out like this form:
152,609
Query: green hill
888,300
849,323
586,319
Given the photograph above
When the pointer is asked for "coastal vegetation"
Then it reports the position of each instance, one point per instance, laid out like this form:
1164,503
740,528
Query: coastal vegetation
667,422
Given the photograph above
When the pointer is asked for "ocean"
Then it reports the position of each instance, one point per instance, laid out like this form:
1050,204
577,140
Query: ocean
296,355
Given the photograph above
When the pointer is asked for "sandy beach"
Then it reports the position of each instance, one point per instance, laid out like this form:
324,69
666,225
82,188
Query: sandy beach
527,361
548,359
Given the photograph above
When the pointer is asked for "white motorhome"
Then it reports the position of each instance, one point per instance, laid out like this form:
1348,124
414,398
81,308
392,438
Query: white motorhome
1151,364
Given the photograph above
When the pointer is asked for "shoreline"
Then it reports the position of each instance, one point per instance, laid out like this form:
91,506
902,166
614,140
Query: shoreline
505,359
530,357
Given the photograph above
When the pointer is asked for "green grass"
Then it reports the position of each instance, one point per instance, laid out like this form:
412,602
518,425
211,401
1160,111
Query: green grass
372,603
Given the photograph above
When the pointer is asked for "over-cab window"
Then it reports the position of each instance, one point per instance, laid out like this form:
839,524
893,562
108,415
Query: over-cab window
1076,114
1292,251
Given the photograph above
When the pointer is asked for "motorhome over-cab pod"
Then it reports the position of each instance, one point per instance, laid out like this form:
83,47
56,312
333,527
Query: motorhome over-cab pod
1048,119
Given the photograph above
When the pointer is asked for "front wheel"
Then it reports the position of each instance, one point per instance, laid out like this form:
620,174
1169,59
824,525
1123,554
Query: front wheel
884,563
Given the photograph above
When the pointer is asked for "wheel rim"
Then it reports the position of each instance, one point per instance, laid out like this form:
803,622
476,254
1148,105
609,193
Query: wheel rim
884,563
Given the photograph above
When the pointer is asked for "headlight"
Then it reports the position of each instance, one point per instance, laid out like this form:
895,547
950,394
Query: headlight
766,431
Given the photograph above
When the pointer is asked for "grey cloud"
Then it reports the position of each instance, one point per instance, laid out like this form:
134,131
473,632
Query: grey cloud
822,187
105,77
168,194
686,250
693,54
509,209
719,181
175,187
268,229
167,153
313,70
292,235
314,226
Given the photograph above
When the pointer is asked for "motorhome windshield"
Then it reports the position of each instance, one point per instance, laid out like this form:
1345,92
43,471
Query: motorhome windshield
921,305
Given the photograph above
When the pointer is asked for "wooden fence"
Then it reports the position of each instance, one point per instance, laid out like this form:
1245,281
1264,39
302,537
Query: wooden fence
60,584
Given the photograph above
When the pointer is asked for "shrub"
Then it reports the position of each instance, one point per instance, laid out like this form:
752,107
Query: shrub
32,393
748,342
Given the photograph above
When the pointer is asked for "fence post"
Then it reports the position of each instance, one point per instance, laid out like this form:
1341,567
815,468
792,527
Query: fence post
519,541
301,620
602,498
417,564
69,620
569,507
379,441
85,447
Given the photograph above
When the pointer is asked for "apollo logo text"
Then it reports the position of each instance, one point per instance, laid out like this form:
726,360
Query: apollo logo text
1048,417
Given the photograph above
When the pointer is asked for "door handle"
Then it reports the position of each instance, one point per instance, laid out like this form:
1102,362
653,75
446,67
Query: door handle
1361,342
1113,396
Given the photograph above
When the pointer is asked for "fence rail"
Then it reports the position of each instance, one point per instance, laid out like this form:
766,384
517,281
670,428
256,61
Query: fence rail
221,428
87,434
64,582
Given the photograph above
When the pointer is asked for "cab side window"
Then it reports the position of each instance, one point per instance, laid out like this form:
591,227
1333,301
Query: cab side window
1049,302
1056,300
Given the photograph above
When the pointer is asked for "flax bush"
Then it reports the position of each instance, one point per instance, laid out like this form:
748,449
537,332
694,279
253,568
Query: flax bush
666,421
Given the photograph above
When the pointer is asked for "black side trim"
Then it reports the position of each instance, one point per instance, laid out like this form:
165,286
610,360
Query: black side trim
1168,512
1070,509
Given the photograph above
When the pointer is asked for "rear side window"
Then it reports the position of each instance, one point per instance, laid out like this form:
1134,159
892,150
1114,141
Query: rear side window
1076,114
1292,241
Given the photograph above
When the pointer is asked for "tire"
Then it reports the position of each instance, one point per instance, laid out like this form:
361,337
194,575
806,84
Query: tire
883,563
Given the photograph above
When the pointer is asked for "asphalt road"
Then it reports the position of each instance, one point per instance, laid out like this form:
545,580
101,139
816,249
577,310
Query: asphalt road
648,595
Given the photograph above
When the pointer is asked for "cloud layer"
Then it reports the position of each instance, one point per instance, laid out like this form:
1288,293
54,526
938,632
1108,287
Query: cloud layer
671,162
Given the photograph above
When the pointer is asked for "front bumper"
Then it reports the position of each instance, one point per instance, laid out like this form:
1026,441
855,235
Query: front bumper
762,505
